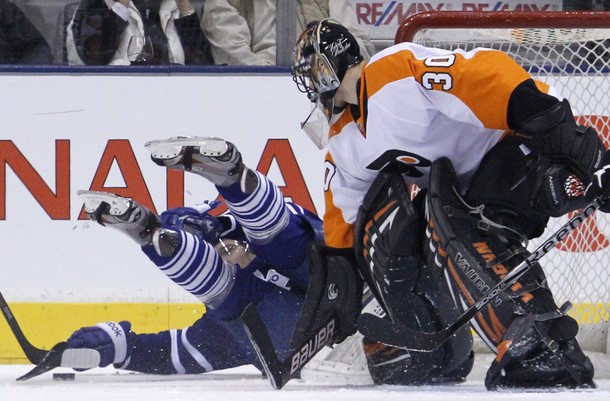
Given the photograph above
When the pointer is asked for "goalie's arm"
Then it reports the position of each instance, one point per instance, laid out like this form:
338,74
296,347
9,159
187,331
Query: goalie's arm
549,127
552,130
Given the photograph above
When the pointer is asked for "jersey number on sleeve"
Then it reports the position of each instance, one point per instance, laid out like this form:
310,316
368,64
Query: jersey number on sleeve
444,79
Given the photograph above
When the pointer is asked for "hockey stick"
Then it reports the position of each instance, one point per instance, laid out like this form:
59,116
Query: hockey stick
45,360
51,360
61,355
398,335
279,371
34,355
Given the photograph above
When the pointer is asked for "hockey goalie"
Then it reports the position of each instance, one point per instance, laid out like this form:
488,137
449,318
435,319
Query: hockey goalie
496,154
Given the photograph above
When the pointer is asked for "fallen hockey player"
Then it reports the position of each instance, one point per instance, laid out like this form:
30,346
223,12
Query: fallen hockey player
257,254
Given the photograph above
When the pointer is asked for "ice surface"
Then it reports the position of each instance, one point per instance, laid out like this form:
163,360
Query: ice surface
246,384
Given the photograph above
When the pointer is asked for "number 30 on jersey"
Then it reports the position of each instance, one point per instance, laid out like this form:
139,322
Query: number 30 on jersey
442,79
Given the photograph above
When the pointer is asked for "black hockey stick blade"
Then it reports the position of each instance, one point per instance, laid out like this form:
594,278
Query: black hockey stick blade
399,335
51,360
279,371
34,355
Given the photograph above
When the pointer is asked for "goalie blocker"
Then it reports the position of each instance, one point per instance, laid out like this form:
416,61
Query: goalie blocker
334,292
534,341
332,303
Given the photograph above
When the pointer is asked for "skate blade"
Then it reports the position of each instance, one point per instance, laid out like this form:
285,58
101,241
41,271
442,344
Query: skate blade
172,147
93,199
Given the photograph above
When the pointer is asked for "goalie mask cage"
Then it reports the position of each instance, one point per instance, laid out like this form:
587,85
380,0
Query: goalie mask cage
570,51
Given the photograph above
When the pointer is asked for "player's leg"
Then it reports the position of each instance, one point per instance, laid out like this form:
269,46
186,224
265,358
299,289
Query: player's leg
389,242
532,337
211,343
183,256
256,203
214,342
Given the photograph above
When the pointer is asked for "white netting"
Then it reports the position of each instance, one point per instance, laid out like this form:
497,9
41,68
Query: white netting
576,62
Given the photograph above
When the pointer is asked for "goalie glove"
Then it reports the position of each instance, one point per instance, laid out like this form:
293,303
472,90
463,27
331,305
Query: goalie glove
600,184
110,339
556,135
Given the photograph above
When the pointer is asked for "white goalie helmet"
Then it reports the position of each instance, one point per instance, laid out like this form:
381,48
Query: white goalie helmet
322,55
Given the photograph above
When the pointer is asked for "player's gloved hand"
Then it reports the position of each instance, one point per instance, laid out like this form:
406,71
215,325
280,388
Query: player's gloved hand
600,184
195,220
110,339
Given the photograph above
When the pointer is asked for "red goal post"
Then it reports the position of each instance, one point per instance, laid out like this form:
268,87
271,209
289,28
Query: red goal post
500,19
571,51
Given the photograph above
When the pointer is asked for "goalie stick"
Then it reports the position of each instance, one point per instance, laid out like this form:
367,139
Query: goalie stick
46,360
398,335
280,371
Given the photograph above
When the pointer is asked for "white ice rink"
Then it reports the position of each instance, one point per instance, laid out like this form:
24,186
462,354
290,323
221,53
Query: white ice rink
246,384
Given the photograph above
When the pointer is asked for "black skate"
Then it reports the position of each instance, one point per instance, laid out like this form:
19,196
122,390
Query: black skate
124,214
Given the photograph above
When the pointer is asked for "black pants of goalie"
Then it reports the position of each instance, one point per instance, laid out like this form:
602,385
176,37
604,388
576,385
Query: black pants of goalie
534,340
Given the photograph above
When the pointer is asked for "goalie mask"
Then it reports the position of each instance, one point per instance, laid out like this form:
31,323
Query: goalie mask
323,53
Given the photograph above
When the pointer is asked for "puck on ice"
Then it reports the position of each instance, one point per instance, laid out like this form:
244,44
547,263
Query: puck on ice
63,376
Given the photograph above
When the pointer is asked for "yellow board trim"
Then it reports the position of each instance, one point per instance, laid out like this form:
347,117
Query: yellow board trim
46,324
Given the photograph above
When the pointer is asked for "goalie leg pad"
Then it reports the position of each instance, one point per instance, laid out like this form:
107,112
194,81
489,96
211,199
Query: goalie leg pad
450,363
392,365
388,242
474,259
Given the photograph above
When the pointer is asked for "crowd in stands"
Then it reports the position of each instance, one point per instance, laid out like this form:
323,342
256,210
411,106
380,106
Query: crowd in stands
187,32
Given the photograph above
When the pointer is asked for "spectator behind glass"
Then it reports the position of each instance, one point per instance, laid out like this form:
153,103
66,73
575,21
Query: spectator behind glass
100,31
20,41
587,5
243,32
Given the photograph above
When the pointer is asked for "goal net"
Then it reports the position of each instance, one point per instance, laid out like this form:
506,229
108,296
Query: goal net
570,51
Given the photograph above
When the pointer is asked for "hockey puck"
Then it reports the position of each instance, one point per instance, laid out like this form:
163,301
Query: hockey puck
64,376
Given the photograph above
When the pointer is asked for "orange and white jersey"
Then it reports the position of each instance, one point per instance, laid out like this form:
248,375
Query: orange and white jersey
417,104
